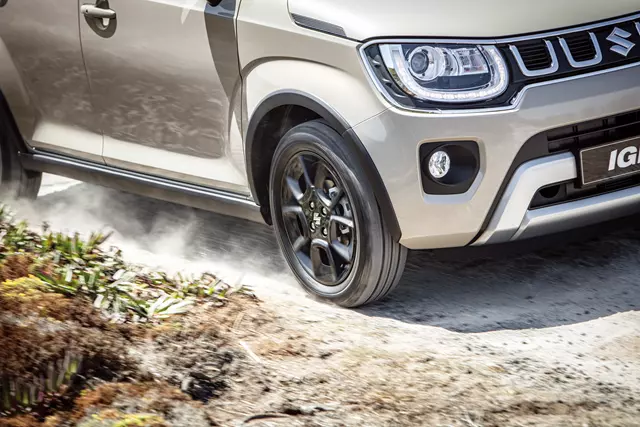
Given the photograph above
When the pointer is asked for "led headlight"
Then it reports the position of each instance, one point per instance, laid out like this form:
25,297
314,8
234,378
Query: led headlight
447,73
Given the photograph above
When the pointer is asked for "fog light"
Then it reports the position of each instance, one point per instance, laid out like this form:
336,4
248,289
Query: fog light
449,167
439,164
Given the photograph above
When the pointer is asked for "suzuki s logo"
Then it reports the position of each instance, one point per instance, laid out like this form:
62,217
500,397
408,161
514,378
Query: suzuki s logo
619,38
623,159
317,220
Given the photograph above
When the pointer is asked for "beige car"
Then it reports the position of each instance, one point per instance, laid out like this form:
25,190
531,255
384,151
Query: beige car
357,128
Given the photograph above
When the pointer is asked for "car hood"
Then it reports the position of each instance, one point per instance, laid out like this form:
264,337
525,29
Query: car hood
366,19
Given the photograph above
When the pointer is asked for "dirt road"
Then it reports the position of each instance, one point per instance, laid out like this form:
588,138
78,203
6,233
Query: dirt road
550,337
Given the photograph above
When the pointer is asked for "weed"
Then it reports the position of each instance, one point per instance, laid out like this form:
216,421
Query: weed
72,266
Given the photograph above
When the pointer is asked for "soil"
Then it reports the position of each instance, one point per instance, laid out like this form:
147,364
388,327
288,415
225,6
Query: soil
547,337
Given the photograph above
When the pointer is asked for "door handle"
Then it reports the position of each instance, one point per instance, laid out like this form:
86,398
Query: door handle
97,12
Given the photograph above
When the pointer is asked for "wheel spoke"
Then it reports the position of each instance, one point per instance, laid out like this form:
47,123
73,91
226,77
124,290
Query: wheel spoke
343,251
292,210
305,260
316,258
348,222
294,187
317,247
300,243
326,201
332,264
320,174
335,199
305,172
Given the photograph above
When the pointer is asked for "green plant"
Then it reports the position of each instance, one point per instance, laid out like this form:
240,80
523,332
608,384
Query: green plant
73,266
19,396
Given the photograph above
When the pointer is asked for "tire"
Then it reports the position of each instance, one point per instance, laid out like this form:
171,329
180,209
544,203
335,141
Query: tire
313,169
15,181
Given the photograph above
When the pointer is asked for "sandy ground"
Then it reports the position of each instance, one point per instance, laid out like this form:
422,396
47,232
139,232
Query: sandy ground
544,337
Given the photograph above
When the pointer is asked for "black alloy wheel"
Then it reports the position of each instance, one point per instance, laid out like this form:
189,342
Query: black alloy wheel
327,220
318,219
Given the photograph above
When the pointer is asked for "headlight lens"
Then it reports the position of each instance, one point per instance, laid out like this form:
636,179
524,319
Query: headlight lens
447,73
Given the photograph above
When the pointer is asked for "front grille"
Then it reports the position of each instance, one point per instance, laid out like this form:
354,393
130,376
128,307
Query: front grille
582,44
569,191
581,47
584,135
535,55
594,132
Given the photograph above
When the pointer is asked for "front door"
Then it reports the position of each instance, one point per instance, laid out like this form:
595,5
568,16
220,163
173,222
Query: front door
165,81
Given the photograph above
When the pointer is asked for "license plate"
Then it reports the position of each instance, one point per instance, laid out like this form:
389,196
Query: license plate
610,161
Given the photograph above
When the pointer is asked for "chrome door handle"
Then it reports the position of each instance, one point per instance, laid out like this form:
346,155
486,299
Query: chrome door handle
96,12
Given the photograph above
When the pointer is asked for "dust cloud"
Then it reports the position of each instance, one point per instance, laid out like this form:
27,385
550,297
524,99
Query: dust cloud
565,284
162,235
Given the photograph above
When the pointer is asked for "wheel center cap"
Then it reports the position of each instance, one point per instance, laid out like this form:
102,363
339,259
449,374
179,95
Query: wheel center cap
317,216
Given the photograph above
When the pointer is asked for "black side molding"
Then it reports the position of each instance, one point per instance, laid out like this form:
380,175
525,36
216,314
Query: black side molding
196,196
295,98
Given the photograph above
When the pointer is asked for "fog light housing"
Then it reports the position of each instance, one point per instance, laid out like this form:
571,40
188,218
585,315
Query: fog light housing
449,167
439,164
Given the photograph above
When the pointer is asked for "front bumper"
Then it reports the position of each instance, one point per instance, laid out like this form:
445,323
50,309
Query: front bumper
485,214
513,220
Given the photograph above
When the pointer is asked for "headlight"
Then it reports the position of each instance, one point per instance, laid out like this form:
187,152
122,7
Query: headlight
446,73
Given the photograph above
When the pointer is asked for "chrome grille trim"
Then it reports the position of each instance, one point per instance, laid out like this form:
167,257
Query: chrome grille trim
606,38
581,64
535,73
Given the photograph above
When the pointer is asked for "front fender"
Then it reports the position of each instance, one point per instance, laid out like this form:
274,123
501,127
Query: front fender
350,96
268,87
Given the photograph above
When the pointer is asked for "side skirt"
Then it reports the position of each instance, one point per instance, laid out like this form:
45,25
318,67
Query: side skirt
209,199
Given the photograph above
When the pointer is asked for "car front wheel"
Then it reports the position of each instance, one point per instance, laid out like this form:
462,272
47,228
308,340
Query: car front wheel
327,219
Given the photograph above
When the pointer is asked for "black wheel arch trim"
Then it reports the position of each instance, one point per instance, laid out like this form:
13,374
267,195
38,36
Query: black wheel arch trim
8,124
363,159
